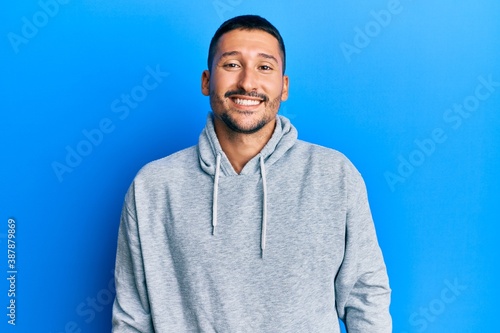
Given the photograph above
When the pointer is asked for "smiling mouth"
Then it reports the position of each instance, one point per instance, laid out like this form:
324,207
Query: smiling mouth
246,102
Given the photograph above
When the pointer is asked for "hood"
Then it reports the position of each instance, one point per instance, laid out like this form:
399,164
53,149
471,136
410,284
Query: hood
283,138
214,162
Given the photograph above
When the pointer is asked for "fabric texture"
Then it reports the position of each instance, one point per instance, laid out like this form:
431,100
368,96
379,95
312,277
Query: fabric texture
286,245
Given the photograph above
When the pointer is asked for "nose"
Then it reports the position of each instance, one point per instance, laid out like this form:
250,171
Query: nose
247,80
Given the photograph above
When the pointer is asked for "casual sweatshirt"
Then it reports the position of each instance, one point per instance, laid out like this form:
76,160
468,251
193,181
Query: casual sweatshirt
286,245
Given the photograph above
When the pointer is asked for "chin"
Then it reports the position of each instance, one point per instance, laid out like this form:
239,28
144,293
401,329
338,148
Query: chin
244,127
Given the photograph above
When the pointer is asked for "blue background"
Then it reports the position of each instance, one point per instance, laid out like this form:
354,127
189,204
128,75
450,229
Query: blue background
373,79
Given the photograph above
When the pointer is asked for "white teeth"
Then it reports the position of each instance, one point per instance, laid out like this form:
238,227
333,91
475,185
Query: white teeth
246,101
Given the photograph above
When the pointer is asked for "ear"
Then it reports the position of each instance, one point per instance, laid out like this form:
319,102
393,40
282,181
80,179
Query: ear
284,92
205,83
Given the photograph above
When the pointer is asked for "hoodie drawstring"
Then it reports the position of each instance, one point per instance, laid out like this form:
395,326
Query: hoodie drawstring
216,194
263,231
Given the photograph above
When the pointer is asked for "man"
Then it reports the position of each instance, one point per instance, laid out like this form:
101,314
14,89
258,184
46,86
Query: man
251,230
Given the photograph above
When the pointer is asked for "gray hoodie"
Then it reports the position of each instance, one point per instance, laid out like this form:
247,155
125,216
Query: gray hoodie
287,245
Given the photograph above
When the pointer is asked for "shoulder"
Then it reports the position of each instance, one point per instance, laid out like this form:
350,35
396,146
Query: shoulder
324,156
330,165
173,166
156,177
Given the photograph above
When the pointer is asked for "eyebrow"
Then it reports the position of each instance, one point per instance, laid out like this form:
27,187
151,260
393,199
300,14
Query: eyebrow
234,53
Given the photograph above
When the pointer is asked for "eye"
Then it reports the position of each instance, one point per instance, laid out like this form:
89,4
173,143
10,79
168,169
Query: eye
231,65
266,68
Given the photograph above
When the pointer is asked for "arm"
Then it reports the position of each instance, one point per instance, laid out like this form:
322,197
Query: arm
131,312
362,285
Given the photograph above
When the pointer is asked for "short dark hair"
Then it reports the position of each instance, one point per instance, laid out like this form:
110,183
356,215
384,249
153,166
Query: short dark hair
245,22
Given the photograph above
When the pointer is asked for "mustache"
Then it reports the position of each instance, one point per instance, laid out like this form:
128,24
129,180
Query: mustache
242,92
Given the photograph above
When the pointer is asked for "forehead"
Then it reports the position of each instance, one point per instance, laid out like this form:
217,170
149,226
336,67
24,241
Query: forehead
248,42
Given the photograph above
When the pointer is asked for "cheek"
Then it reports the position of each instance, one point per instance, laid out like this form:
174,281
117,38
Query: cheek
218,89
220,82
275,88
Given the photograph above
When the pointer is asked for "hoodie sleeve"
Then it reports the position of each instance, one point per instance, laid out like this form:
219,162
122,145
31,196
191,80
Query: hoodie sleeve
362,285
131,311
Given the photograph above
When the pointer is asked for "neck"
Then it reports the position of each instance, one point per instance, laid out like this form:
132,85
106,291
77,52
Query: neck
241,148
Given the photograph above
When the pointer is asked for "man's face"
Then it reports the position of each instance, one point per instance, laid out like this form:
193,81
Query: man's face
246,83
